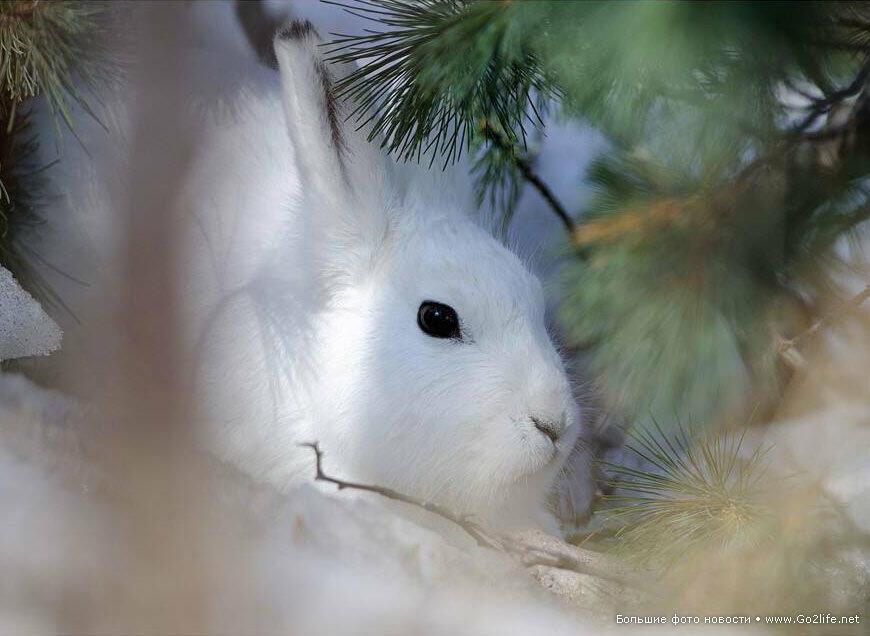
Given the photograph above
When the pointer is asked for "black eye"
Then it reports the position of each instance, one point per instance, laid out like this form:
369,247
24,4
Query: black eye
438,320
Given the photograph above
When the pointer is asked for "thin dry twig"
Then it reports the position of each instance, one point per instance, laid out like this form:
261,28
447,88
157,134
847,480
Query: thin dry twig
837,314
533,548
476,532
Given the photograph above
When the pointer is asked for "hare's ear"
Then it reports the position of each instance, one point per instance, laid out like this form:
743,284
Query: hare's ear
335,162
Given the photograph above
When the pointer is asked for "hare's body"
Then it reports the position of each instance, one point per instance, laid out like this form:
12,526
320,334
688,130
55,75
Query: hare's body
246,284
312,269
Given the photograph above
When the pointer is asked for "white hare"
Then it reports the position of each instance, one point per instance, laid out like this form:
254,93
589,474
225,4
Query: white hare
358,306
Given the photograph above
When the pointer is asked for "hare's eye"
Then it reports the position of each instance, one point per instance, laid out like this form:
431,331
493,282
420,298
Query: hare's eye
438,320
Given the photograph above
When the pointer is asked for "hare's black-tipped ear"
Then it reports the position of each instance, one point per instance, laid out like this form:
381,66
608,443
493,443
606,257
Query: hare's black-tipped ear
313,114
341,174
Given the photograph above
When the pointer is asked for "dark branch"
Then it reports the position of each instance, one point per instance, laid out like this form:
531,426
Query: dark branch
531,176
823,105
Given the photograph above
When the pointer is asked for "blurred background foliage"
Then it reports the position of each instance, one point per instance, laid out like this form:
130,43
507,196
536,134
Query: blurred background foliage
736,161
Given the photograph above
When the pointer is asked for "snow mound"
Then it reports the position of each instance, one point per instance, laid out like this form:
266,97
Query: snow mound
81,553
25,329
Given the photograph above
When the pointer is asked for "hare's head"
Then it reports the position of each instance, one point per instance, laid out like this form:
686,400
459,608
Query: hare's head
434,372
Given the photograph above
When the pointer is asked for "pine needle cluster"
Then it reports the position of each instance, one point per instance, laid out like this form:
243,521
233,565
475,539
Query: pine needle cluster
687,495
48,49
722,533
437,70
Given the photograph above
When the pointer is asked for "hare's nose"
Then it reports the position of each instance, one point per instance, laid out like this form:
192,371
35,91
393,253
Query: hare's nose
549,428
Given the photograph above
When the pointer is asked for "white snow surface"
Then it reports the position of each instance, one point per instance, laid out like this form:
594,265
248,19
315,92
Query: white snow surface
299,562
25,329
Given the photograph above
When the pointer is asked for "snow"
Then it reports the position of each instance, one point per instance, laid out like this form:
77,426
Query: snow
81,553
305,561
25,328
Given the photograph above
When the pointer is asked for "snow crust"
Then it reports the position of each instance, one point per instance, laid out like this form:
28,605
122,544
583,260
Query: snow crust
25,329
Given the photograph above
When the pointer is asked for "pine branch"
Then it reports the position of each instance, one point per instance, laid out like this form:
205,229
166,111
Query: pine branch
689,493
51,48
22,193
823,105
532,549
525,169
433,70
22,8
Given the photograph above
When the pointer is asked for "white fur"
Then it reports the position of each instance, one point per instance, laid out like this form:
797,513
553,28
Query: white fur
304,320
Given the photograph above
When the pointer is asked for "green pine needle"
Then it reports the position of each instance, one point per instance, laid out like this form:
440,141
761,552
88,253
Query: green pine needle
21,195
45,46
692,494
49,49
434,69
497,178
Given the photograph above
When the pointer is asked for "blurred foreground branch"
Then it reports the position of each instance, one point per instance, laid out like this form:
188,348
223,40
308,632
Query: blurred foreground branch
787,347
824,104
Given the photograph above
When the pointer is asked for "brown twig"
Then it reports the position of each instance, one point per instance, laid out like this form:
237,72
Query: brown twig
828,319
483,538
535,548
